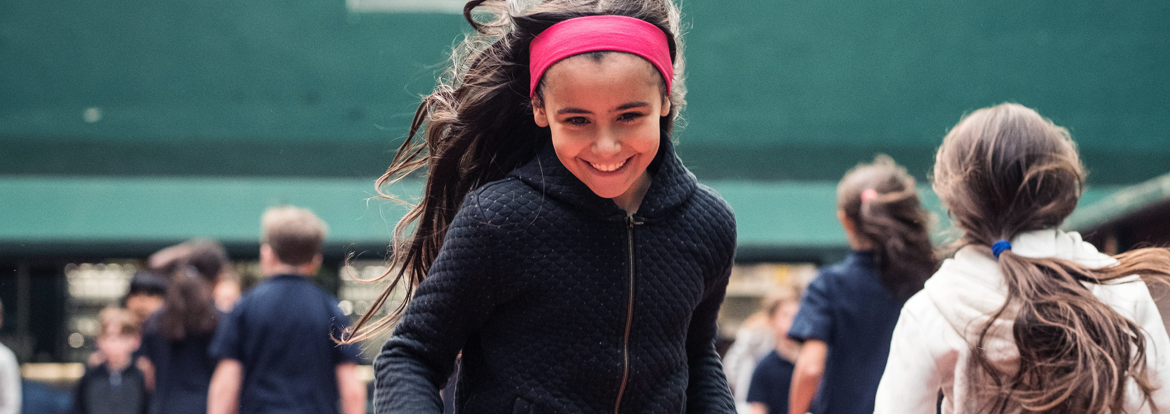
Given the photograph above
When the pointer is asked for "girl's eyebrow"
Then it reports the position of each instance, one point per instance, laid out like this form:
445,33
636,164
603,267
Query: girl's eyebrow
572,110
622,107
632,105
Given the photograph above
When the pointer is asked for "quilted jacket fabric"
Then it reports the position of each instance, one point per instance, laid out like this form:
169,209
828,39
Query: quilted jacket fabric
533,284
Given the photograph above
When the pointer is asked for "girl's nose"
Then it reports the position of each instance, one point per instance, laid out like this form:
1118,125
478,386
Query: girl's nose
607,143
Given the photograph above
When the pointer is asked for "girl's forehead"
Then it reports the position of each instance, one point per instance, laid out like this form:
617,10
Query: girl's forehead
601,67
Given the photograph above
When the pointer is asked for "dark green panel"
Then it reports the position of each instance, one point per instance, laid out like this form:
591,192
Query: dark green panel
849,72
175,70
778,89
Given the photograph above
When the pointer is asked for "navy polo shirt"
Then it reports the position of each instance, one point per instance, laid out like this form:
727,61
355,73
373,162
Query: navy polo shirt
849,309
282,332
770,383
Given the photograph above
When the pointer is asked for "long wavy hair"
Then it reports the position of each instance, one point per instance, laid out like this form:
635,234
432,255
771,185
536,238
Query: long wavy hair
1006,170
477,125
893,220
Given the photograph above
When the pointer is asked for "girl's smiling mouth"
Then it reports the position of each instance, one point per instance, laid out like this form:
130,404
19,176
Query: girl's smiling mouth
609,167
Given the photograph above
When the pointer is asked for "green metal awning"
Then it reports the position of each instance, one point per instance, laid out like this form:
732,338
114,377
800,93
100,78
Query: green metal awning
45,215
1121,203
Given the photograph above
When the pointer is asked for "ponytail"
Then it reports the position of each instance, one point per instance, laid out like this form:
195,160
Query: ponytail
189,306
1076,352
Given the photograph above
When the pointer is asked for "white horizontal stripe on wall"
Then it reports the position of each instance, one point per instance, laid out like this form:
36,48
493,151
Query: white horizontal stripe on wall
406,6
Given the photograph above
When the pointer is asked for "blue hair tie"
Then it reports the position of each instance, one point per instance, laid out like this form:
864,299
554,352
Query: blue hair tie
1000,246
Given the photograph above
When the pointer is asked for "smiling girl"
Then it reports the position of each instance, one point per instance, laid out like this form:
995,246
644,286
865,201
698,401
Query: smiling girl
560,245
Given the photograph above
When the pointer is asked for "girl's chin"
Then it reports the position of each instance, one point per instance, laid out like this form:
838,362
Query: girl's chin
608,190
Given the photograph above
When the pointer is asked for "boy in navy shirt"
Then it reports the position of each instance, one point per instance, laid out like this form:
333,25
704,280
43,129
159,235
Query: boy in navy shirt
276,348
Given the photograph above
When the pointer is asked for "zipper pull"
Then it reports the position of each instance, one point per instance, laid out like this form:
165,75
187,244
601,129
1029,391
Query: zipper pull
631,222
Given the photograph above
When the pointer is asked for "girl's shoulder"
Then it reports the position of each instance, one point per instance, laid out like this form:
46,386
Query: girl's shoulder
710,198
504,200
711,205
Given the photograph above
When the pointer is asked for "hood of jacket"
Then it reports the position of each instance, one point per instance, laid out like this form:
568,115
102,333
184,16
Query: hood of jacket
968,289
671,184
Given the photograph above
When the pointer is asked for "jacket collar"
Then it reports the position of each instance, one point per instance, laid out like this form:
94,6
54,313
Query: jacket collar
671,185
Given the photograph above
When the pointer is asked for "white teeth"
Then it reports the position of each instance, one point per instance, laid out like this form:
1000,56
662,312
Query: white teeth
608,167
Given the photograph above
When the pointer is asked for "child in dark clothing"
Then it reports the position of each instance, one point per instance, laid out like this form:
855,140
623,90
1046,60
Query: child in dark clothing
768,392
116,386
848,312
176,338
560,245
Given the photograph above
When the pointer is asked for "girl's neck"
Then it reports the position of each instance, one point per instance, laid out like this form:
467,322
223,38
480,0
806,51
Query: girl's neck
632,198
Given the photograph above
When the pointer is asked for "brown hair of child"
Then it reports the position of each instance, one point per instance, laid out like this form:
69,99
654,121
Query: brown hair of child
189,308
295,234
882,201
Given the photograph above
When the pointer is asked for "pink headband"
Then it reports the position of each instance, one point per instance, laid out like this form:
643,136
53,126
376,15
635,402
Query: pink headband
599,33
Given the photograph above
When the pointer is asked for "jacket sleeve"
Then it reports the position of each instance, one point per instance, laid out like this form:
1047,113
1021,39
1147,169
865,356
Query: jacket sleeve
1147,315
910,384
454,300
707,390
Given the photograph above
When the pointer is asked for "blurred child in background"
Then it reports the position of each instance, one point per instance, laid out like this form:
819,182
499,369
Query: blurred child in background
849,311
768,392
146,294
754,339
116,385
176,338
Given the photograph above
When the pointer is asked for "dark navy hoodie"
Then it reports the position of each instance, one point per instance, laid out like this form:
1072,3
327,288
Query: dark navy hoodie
560,303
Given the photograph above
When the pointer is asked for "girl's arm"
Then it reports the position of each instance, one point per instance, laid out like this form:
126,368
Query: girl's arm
806,378
911,381
351,389
813,327
454,300
707,391
757,408
223,394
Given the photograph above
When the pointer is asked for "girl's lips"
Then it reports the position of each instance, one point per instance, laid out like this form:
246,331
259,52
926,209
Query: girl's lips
609,167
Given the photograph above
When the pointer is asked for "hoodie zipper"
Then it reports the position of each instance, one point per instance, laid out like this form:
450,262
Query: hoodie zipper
630,223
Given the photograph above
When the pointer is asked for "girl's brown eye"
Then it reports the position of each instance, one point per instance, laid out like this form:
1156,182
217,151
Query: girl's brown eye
577,120
629,116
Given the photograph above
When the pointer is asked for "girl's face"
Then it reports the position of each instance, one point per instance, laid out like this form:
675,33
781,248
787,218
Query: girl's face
604,120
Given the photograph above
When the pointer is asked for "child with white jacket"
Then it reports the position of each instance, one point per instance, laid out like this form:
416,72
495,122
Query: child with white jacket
1025,317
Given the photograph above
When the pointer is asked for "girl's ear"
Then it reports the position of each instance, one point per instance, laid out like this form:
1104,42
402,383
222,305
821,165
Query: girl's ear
847,223
539,115
665,106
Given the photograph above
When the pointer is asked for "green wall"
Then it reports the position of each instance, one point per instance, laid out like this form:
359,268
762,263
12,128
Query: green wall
778,89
